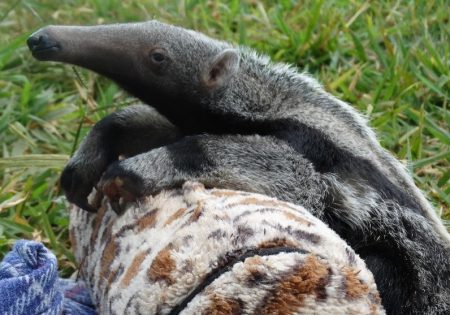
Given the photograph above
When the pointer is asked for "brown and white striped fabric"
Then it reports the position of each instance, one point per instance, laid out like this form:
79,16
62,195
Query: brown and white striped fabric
200,251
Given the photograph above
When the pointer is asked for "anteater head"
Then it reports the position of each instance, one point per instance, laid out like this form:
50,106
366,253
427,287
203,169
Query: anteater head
156,62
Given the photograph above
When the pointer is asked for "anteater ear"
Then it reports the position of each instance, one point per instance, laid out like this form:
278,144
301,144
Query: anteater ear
221,69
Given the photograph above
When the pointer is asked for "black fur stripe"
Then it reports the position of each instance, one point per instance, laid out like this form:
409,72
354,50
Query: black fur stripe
227,264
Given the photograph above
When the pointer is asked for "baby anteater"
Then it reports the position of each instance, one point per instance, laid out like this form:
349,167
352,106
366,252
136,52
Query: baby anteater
229,118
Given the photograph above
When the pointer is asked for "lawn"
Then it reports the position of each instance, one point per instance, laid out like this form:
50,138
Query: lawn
389,59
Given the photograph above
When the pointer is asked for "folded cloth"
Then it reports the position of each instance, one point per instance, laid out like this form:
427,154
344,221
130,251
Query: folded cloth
76,298
29,284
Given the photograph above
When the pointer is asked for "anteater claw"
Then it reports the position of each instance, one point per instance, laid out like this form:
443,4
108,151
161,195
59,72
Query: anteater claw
117,193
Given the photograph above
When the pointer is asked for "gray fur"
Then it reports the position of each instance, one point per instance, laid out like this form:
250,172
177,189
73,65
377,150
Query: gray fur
128,132
243,122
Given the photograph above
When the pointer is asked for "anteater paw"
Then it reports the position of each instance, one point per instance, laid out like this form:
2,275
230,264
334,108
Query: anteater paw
121,187
77,183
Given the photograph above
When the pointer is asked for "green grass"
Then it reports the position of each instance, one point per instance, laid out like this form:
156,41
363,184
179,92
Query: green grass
390,59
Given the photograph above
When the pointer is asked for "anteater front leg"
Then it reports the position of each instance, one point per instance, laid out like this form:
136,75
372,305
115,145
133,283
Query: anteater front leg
250,163
128,132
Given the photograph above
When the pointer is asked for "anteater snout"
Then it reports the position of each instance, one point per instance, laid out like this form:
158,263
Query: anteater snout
42,45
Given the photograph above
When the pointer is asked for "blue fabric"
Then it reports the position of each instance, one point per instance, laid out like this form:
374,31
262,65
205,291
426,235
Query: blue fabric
29,284
76,298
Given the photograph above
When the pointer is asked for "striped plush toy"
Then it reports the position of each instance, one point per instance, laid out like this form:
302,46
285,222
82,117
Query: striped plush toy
201,251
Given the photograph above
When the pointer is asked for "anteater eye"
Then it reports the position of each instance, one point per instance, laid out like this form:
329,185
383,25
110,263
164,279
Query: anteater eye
157,57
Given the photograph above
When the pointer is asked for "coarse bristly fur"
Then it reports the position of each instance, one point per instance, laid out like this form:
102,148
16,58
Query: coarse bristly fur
232,119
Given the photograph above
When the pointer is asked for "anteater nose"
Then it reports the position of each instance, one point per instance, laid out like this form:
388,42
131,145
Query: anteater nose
44,45
38,41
